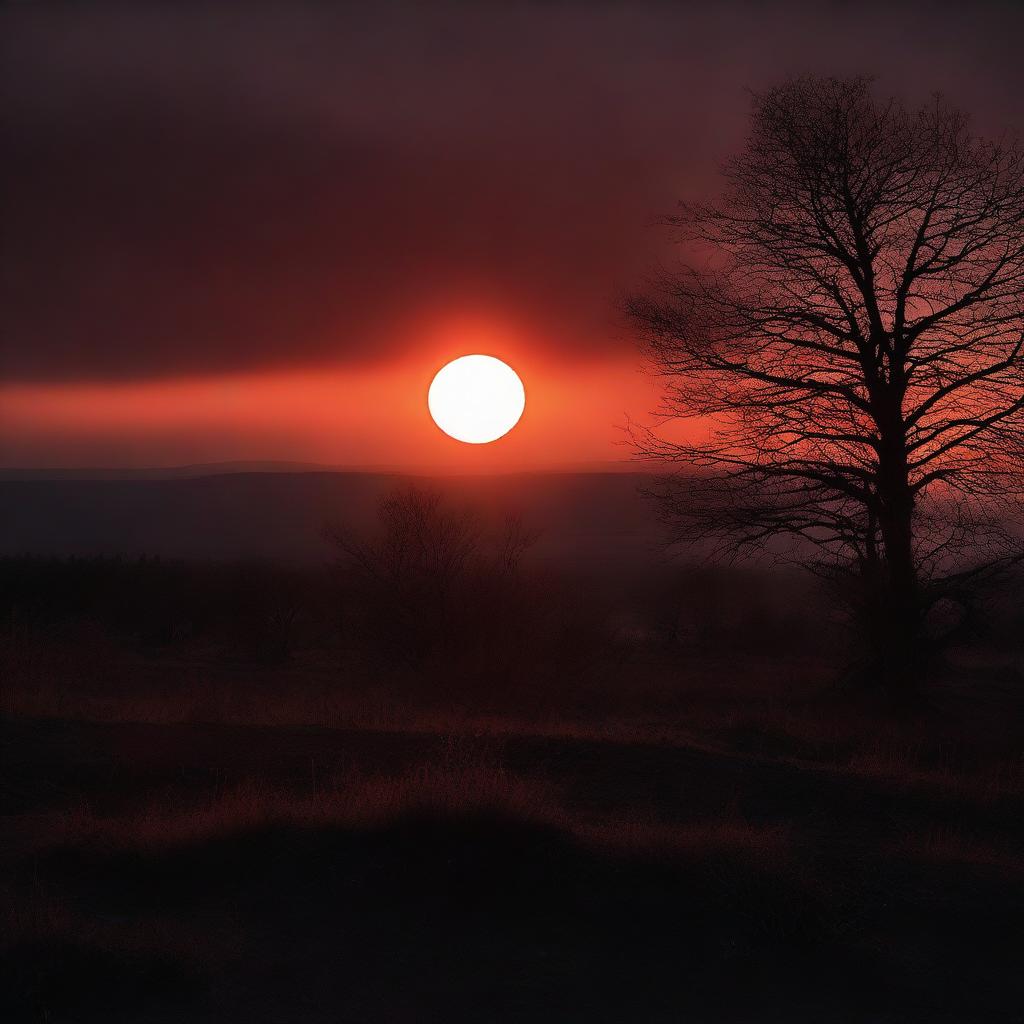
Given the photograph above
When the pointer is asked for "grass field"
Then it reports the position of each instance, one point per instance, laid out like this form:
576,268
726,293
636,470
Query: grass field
769,850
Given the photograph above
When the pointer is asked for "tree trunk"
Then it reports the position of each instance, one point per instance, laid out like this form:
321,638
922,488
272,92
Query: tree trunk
897,615
898,647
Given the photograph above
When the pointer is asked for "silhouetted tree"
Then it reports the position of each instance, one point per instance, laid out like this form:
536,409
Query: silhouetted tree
848,338
431,574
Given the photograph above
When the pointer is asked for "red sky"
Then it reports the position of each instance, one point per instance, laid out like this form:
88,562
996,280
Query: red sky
371,414
255,234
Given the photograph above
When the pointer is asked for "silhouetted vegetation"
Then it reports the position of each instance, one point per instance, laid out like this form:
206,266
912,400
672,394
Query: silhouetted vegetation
855,336
433,580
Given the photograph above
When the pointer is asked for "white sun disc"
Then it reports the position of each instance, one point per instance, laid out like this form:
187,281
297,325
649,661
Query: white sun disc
476,399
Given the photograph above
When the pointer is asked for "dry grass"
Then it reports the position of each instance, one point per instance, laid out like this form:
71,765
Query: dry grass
812,737
467,780
901,769
951,847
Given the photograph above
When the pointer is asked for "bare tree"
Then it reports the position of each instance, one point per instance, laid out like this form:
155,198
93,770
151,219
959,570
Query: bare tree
851,349
408,575
431,574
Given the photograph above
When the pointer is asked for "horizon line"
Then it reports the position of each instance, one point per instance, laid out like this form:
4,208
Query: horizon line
242,466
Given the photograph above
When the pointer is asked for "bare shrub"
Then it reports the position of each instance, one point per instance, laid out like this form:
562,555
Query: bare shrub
432,581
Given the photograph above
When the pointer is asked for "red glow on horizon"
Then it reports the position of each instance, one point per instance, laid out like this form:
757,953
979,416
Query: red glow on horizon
357,416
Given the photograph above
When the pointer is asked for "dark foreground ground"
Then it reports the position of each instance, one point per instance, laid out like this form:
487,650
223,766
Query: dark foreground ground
745,868
258,794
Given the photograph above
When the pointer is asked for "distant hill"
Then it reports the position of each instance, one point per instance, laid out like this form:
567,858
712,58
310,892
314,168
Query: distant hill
168,472
596,519
628,466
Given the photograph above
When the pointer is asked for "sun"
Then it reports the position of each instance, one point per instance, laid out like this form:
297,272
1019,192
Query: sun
476,399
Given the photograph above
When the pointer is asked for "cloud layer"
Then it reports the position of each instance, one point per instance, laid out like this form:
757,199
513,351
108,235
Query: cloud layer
194,191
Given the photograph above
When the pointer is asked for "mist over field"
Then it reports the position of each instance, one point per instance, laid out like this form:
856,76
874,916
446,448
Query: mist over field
582,518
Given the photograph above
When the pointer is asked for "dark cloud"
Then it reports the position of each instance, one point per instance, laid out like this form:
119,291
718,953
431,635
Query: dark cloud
196,190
